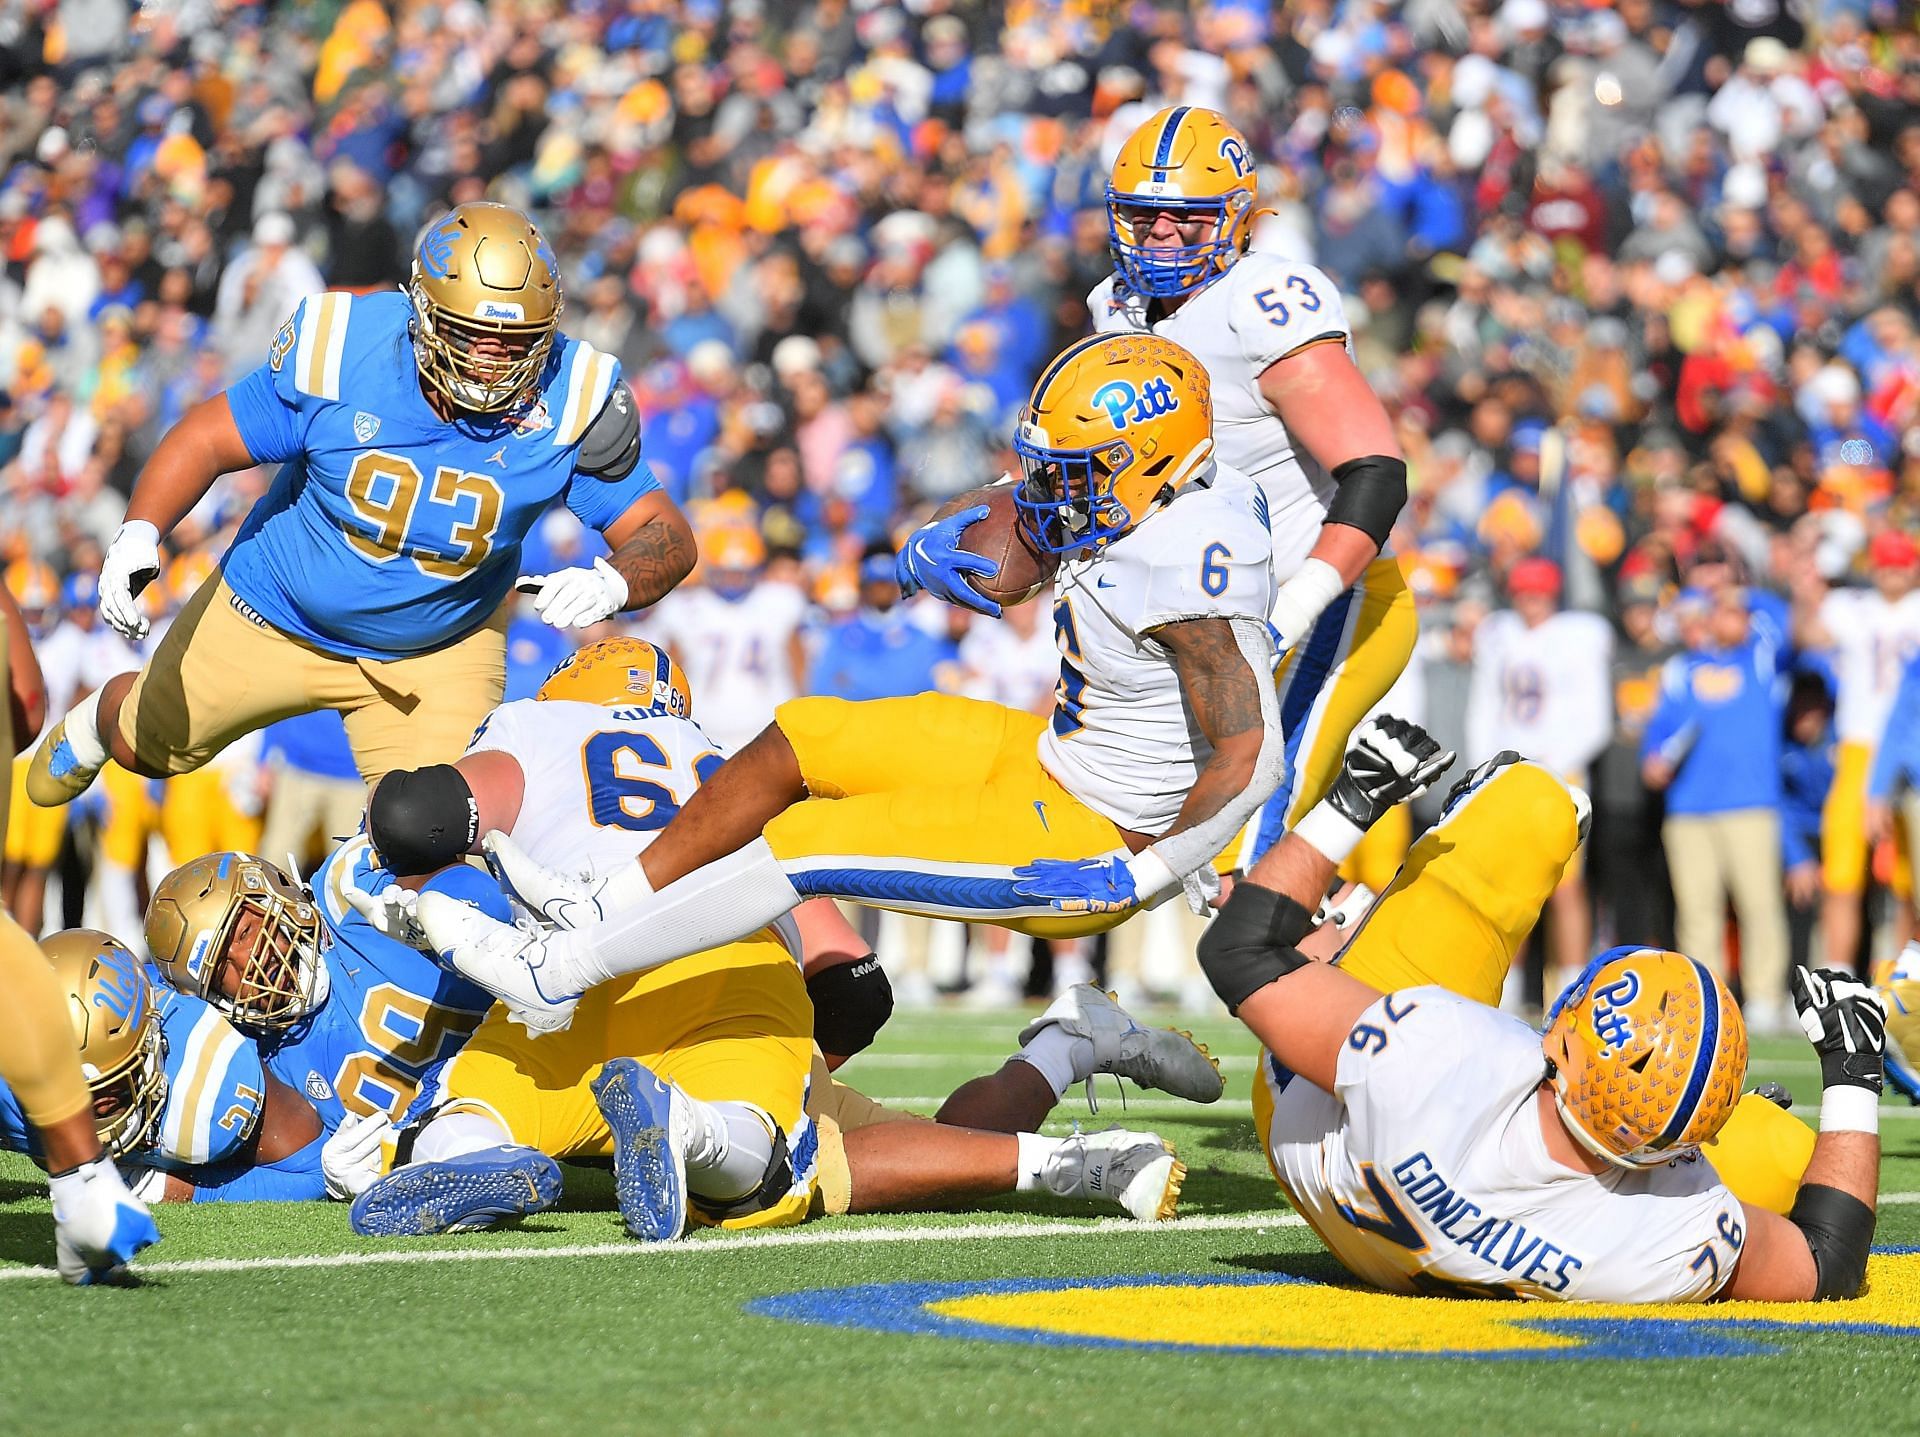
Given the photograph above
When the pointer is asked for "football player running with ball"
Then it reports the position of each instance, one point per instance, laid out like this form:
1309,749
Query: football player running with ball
1164,740
1440,1146
1291,411
420,435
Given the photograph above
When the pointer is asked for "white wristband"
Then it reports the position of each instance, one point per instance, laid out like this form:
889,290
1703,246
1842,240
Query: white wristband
1153,880
1303,598
1848,1108
1330,831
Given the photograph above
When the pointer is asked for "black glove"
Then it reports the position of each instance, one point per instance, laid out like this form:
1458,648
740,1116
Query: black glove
1847,1025
1389,762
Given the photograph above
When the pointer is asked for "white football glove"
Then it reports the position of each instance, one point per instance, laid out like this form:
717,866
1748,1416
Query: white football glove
131,563
578,598
351,1160
98,1225
562,900
1202,888
393,912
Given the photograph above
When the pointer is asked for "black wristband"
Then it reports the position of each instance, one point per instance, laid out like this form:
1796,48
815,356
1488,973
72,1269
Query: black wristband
1839,1231
1250,942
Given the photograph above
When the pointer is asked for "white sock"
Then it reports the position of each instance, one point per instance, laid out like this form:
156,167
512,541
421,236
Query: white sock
452,1134
1031,1165
1059,1057
731,1148
83,731
721,902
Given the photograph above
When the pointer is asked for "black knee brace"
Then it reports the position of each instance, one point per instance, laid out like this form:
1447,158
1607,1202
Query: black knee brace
422,819
775,1184
851,1004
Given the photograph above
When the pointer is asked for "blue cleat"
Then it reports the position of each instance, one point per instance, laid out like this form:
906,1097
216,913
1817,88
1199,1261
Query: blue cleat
468,1193
651,1132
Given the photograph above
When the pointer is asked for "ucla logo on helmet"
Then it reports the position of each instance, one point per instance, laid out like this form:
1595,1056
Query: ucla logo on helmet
1127,404
1235,154
1610,1019
119,989
436,250
500,309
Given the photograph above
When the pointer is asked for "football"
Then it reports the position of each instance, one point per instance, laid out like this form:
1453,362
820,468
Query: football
998,536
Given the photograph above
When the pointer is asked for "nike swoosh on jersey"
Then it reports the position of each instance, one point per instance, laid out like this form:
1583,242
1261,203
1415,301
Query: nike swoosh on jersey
1040,807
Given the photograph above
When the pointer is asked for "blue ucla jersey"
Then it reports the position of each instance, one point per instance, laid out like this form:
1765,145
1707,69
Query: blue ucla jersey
389,531
215,1088
391,1012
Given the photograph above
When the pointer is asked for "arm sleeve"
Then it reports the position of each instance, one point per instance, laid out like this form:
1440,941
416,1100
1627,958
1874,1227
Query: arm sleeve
294,1178
1279,307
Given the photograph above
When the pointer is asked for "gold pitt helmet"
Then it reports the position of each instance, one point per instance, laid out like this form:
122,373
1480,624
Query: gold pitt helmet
622,673
190,928
110,1002
1192,164
1116,424
480,272
1647,1051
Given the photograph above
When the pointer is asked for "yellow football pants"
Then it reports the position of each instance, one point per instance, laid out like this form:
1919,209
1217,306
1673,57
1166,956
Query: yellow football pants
198,816
219,673
1329,682
132,818
34,834
926,805
729,1025
1844,851
1471,891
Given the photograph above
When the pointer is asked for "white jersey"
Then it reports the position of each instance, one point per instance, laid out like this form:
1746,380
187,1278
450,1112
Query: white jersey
600,782
736,653
1872,642
1545,692
1259,311
1122,740
1426,1171
1003,668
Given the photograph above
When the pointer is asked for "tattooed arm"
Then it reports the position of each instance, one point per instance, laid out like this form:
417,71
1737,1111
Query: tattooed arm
1225,668
653,548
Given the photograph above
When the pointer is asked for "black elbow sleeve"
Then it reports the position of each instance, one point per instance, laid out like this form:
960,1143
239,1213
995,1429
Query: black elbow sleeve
1249,943
422,819
851,1004
1373,491
1839,1230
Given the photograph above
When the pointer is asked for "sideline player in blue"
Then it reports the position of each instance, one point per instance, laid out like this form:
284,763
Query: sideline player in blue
339,1012
421,435
176,1091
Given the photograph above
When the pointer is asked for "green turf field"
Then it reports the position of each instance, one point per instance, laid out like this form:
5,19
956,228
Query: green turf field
278,1320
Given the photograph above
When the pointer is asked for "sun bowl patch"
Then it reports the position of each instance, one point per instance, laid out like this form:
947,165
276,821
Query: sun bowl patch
1281,1315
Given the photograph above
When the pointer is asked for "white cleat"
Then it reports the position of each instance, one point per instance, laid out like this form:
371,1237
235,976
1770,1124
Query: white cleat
1162,1058
564,900
1136,1172
508,963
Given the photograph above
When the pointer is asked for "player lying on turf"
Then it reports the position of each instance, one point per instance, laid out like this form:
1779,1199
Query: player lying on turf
593,767
1438,1145
1164,741
98,1225
176,1092
421,435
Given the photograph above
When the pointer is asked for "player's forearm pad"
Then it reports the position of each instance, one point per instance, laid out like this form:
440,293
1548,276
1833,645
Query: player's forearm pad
1250,942
1839,1230
851,1004
1373,491
422,819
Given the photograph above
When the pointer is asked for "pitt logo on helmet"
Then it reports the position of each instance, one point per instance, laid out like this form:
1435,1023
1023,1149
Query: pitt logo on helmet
1082,487
1190,165
1646,1053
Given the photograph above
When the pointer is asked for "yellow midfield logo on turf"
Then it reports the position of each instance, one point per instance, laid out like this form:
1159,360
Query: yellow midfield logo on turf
1269,1314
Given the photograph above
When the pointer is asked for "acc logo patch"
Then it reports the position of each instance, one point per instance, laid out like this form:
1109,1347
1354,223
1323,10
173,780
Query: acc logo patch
1128,404
1276,1315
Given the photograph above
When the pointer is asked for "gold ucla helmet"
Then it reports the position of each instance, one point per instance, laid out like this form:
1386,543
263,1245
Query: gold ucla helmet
1647,1051
115,1022
1116,423
484,272
192,924
1192,164
622,673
